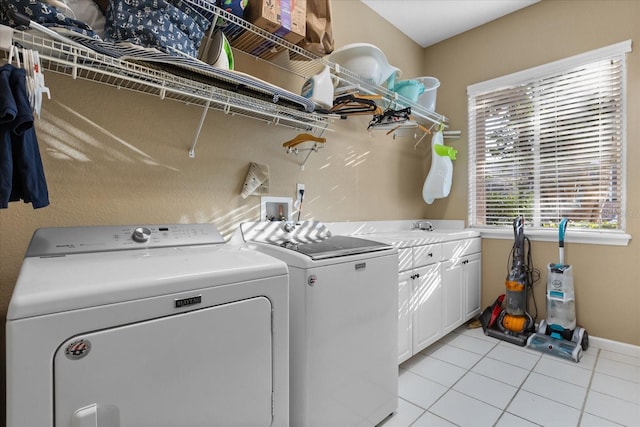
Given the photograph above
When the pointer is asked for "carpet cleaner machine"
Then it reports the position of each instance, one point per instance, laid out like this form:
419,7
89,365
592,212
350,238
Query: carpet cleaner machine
508,319
558,334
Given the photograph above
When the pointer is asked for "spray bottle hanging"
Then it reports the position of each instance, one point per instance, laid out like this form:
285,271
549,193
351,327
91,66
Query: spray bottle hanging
438,182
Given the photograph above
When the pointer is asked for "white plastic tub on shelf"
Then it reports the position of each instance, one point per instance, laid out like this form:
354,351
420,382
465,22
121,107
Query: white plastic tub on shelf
428,97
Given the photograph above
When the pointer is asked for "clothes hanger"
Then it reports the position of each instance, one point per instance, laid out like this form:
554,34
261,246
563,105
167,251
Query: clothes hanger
40,87
390,118
303,137
12,51
292,144
429,131
350,104
27,57
34,77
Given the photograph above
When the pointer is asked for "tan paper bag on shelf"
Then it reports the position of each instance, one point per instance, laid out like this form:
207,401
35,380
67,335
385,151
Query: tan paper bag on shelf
319,34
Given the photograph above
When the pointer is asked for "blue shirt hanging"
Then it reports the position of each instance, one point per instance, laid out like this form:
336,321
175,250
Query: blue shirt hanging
21,172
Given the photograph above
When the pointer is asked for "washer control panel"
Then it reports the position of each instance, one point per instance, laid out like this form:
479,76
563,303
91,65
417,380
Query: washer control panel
72,240
141,234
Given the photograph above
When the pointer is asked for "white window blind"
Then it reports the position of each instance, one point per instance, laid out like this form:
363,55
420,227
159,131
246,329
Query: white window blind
549,143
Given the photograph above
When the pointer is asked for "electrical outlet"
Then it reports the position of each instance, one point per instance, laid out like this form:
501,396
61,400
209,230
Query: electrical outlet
298,194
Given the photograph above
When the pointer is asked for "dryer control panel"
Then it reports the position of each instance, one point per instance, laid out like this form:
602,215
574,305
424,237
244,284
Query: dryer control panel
73,240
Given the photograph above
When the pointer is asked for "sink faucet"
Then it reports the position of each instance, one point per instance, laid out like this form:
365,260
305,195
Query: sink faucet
288,226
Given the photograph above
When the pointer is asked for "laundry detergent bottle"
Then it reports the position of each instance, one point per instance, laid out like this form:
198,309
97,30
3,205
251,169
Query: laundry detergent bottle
438,182
319,88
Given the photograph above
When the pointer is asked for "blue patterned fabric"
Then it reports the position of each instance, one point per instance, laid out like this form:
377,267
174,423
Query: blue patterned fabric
44,14
168,25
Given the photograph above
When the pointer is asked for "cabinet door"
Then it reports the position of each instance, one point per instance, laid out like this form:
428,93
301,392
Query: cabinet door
472,281
452,288
405,259
427,303
405,341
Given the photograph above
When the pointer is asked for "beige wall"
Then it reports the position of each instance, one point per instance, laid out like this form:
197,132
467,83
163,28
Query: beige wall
607,290
117,157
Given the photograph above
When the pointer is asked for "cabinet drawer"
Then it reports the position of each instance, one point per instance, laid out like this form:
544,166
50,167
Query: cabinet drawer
426,254
405,259
460,248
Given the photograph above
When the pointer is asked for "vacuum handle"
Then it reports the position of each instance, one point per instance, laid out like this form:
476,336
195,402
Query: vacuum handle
518,231
562,229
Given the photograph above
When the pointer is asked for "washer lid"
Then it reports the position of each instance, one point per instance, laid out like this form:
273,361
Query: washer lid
337,246
73,240
310,238
53,284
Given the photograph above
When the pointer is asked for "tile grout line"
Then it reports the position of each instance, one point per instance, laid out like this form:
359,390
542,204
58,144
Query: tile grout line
597,356
457,381
516,393
424,411
586,395
486,355
449,388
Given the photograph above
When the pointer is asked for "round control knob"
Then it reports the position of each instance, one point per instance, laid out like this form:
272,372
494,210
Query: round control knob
141,234
288,227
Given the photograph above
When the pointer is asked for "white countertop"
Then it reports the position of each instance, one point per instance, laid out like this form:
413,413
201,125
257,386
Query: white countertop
400,233
403,239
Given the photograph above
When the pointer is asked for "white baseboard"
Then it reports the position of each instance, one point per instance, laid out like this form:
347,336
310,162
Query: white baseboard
615,346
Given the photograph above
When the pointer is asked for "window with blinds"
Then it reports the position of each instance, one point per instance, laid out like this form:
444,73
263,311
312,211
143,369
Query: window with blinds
549,143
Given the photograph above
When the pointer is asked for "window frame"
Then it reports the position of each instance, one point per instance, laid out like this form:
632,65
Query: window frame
602,236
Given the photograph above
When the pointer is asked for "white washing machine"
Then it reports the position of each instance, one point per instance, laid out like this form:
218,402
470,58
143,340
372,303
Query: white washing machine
343,323
147,326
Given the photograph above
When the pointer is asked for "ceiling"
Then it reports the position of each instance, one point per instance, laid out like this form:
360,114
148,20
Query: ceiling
428,22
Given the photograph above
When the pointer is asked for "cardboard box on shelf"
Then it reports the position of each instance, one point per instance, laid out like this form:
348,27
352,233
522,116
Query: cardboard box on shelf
293,20
256,45
284,18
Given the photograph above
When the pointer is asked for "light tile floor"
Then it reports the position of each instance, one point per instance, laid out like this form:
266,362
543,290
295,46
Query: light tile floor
470,379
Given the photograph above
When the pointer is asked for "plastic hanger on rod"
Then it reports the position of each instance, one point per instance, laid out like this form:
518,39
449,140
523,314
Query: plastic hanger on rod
303,137
426,132
40,87
292,145
349,104
30,62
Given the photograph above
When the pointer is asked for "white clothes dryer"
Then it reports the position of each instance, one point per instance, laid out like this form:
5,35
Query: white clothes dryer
147,326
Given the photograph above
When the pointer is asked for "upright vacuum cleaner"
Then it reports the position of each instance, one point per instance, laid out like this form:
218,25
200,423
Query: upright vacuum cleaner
558,334
508,318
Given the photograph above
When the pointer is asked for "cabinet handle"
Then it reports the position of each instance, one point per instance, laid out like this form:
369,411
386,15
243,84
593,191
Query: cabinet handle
417,275
466,261
430,254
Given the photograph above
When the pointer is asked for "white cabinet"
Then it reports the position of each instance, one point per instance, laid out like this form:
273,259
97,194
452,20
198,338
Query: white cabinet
419,299
472,289
427,300
405,316
461,278
438,289
452,276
